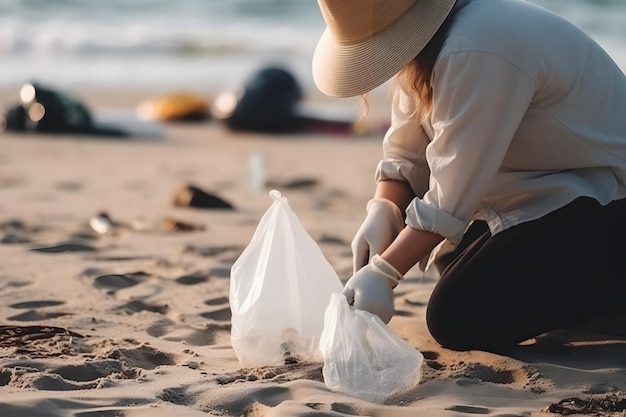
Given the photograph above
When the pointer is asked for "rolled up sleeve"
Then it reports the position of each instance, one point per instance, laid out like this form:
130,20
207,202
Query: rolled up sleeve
480,100
404,147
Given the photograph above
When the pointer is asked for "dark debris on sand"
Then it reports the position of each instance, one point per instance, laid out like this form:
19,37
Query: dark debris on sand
192,196
12,335
36,340
611,404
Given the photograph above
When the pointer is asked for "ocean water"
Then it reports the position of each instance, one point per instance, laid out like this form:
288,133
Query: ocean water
205,44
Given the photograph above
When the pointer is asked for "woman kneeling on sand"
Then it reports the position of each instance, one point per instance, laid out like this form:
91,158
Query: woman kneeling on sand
507,146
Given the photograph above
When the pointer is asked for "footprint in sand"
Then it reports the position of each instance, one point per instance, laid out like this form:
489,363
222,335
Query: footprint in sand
212,251
220,272
142,356
14,239
282,373
67,377
95,370
472,373
50,382
192,279
220,314
16,232
488,374
101,413
176,395
64,248
137,306
216,301
192,337
263,400
160,328
431,360
210,334
469,409
37,304
115,282
120,258
9,285
33,314
429,354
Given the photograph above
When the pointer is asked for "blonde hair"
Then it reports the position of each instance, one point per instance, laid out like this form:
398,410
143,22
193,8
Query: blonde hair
415,80
416,76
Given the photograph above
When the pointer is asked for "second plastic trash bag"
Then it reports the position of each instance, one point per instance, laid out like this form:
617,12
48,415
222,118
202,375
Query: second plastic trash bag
363,357
280,287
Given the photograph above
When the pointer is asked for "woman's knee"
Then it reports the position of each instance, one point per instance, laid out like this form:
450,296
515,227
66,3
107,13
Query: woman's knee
446,326
461,326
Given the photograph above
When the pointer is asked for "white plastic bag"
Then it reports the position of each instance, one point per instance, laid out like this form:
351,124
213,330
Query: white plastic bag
279,289
363,357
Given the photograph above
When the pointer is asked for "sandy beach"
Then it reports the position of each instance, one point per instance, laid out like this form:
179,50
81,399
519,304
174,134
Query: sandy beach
136,321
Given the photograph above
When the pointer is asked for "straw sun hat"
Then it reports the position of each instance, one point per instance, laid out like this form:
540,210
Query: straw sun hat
367,42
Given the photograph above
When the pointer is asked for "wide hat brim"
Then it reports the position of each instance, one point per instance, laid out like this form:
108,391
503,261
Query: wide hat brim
348,70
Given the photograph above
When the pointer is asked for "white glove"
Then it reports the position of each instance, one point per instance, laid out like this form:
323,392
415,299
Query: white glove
381,226
371,288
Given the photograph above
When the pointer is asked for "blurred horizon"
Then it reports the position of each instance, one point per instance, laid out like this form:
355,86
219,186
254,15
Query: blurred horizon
205,44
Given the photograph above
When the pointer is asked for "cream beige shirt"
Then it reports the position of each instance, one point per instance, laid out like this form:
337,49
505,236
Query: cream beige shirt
529,114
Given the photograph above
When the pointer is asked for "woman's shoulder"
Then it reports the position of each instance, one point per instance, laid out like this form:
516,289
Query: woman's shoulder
516,30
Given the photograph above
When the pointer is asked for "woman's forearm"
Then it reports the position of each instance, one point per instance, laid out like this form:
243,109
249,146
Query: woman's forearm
410,247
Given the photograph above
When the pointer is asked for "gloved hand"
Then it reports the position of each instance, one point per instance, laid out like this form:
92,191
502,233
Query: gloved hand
381,226
371,288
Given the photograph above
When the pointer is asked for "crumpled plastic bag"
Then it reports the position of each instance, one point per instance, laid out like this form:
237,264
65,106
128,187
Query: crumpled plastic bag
363,357
280,287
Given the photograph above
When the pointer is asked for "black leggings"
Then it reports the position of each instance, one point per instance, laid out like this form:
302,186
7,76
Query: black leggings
561,270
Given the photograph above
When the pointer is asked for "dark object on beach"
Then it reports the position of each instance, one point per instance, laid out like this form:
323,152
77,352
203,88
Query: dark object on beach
171,224
65,248
176,107
288,347
14,119
20,335
192,196
264,103
293,184
101,223
13,239
269,102
45,110
599,405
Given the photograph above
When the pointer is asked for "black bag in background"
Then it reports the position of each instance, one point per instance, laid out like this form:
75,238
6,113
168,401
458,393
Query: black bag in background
266,102
46,110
